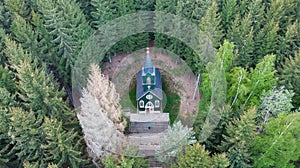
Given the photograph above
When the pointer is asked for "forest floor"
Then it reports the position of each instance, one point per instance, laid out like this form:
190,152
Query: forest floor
124,66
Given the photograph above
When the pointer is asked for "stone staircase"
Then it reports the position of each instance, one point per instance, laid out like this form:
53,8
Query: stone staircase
147,139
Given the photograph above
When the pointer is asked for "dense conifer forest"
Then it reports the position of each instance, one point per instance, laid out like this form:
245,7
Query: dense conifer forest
257,47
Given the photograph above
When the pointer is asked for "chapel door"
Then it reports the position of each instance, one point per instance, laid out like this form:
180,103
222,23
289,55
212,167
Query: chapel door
149,107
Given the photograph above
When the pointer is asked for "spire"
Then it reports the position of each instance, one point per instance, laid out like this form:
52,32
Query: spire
148,63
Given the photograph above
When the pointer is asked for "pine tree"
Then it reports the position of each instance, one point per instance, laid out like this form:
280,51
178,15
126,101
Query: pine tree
161,20
6,102
241,34
102,12
211,24
36,88
26,137
266,40
105,92
238,140
19,7
196,156
64,29
2,46
288,43
60,147
289,76
228,13
100,135
5,17
24,34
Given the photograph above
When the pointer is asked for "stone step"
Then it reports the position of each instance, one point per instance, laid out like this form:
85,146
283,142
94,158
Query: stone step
143,127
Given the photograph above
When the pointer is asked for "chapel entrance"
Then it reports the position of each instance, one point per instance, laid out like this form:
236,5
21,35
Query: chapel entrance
149,107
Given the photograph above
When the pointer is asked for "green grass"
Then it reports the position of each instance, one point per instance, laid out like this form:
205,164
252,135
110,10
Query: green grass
132,95
172,102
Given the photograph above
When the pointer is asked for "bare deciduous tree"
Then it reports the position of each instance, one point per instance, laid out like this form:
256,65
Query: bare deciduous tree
100,134
104,90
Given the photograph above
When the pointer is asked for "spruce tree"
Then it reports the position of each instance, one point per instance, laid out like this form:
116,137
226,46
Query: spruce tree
196,156
6,102
60,147
229,8
257,12
7,80
241,34
238,140
19,7
64,29
161,20
288,43
102,12
36,88
211,24
24,34
26,135
266,40
2,46
289,76
145,5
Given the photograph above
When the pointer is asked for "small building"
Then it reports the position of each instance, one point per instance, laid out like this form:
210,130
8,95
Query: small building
149,88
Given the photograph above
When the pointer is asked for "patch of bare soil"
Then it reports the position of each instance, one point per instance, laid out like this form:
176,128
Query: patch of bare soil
125,65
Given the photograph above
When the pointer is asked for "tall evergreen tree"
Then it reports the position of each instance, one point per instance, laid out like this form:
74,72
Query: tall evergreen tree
211,24
289,76
266,40
273,102
37,89
25,135
288,43
24,34
6,102
145,5
19,7
103,11
66,30
238,141
241,34
161,20
229,8
2,46
60,147
196,156
105,92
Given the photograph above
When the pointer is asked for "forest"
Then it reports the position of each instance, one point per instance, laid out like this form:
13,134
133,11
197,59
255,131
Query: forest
257,122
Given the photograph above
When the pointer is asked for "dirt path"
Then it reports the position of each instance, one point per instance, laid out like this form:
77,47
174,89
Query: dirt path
124,66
